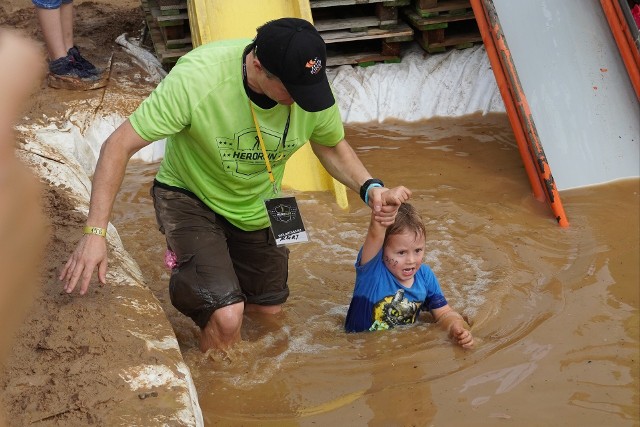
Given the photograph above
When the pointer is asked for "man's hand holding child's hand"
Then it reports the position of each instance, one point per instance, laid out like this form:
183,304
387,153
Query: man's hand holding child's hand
386,201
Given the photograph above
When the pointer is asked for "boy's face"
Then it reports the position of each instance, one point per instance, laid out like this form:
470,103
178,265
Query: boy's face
403,254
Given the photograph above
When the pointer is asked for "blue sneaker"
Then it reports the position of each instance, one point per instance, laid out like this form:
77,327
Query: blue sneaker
64,73
82,62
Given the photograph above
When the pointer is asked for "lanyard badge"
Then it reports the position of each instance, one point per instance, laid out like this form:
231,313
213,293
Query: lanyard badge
286,221
283,212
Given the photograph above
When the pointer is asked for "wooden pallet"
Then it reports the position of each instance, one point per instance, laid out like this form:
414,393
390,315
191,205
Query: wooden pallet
168,24
364,47
173,20
428,8
356,31
316,4
360,32
355,19
448,24
363,53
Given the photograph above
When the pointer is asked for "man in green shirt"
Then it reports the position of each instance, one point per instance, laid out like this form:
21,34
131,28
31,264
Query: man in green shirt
233,112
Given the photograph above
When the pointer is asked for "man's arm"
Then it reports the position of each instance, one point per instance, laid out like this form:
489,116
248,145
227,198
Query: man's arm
91,250
343,164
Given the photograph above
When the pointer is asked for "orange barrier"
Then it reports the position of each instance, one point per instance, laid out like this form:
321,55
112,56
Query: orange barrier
510,105
518,111
624,40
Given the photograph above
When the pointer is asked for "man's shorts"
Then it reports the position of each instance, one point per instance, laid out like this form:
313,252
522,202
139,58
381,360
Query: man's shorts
49,4
218,263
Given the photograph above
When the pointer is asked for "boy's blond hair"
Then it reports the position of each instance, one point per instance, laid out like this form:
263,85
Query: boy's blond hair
407,219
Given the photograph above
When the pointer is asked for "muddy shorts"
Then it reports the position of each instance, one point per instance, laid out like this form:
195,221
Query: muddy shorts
218,263
49,4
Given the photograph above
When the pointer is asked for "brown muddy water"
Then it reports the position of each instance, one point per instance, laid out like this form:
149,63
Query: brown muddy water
554,311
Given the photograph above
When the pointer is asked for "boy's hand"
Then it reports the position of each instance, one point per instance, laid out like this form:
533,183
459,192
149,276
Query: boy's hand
385,202
462,336
396,196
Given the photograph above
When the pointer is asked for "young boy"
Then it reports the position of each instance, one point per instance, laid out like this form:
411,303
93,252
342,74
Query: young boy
392,283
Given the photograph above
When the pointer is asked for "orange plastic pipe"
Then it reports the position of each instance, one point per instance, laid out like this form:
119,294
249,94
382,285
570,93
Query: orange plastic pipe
626,46
509,103
624,26
543,171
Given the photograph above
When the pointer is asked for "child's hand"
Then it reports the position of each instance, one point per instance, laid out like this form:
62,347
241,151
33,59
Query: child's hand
462,336
385,203
396,195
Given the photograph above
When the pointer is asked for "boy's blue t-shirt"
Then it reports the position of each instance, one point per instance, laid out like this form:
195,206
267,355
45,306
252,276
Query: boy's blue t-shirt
380,302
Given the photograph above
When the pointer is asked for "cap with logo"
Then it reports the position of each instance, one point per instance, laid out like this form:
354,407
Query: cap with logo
293,50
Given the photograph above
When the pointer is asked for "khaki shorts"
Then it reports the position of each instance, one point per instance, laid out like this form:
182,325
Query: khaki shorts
218,263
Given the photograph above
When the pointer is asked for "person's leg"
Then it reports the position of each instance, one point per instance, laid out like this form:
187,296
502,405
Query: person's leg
51,25
67,18
223,328
266,309
203,285
66,21
56,22
262,269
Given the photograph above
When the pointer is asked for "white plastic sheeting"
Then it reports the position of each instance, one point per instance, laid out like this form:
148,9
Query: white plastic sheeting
422,86
142,57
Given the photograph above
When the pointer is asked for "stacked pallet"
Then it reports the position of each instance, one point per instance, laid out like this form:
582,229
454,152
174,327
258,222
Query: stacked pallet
360,32
168,24
441,24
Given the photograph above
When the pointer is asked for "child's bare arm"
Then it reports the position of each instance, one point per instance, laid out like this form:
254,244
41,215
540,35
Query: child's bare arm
374,240
455,325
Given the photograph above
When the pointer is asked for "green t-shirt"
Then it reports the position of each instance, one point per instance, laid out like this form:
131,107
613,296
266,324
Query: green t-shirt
212,147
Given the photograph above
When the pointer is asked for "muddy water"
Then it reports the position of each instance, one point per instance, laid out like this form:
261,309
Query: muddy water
554,311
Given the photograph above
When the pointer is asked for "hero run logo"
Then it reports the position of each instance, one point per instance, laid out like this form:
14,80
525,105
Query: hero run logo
257,156
242,155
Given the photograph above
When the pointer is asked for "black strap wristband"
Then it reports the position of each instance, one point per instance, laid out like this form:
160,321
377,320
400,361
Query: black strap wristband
365,187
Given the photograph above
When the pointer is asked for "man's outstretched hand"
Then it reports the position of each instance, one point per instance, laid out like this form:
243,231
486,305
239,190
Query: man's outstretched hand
90,253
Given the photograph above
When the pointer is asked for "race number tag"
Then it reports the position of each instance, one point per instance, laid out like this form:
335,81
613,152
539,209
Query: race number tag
286,221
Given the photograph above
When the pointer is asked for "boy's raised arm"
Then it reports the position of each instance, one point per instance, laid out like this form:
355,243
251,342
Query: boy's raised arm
375,234
374,240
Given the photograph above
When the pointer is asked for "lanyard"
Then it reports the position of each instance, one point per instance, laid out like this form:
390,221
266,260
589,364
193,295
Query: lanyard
263,148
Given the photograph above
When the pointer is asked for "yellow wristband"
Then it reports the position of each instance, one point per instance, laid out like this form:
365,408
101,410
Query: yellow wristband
94,230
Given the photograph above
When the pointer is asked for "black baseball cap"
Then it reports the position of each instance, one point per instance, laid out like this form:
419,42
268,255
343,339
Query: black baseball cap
293,50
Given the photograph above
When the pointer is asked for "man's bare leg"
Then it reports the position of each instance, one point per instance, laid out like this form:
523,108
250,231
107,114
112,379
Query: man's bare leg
266,309
264,319
223,328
